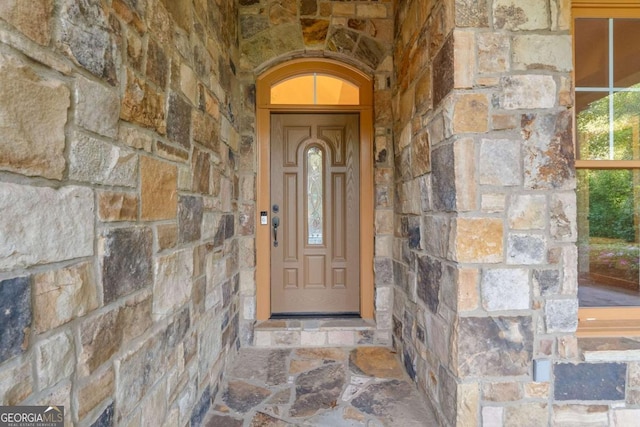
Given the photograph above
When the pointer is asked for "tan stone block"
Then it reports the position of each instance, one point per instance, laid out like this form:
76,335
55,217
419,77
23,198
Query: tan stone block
492,416
471,114
30,17
468,296
580,415
154,407
33,114
560,15
142,105
407,105
493,52
55,359
95,161
343,9
173,284
464,57
63,295
546,52
521,15
384,222
100,338
129,16
167,236
528,92
623,417
529,414
478,240
527,212
487,81
311,339
633,373
493,202
134,49
61,394
134,138
211,105
171,152
383,246
97,107
501,392
372,10
340,338
423,93
41,225
114,206
504,121
189,83
565,92
285,338
262,338
159,197
537,390
468,404
134,318
568,347
16,383
405,137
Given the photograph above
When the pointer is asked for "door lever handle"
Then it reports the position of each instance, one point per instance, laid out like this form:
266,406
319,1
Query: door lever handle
275,222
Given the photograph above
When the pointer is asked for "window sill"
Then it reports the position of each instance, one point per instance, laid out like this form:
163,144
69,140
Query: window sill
609,322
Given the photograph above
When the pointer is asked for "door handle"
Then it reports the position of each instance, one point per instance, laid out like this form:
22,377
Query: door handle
275,222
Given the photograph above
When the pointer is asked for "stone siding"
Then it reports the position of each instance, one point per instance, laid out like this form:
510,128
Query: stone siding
122,228
488,290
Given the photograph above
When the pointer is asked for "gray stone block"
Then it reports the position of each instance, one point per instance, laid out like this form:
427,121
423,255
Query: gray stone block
126,266
590,381
15,315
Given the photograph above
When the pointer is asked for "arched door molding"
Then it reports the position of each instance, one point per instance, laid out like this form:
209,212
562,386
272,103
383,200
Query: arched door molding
264,83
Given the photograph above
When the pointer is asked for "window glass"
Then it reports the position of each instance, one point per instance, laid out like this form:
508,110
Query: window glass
298,90
607,88
626,48
315,89
609,236
315,197
592,52
607,70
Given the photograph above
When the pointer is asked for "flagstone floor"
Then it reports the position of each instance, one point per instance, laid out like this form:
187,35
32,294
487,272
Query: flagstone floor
332,387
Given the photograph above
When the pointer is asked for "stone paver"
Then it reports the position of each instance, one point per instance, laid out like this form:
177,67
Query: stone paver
332,387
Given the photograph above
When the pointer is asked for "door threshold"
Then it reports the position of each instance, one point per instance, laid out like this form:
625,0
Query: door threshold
301,316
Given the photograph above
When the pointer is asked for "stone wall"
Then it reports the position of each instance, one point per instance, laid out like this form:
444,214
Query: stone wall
485,260
119,198
355,32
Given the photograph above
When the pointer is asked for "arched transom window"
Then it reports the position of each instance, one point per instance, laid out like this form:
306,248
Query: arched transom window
315,89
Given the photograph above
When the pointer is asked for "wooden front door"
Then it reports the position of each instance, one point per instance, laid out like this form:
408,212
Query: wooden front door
315,203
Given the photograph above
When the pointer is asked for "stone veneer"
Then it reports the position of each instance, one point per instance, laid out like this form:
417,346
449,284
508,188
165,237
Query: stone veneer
484,249
127,193
120,201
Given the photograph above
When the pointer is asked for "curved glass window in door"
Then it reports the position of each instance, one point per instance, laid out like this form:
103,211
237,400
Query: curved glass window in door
315,89
315,196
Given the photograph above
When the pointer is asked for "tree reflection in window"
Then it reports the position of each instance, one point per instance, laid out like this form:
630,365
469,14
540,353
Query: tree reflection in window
314,196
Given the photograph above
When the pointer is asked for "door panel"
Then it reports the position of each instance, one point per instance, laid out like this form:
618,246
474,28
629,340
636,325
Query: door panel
315,265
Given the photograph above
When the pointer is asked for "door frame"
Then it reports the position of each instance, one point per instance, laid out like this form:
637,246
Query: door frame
264,108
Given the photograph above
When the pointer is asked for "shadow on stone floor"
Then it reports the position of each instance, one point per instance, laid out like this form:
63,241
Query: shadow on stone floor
332,387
